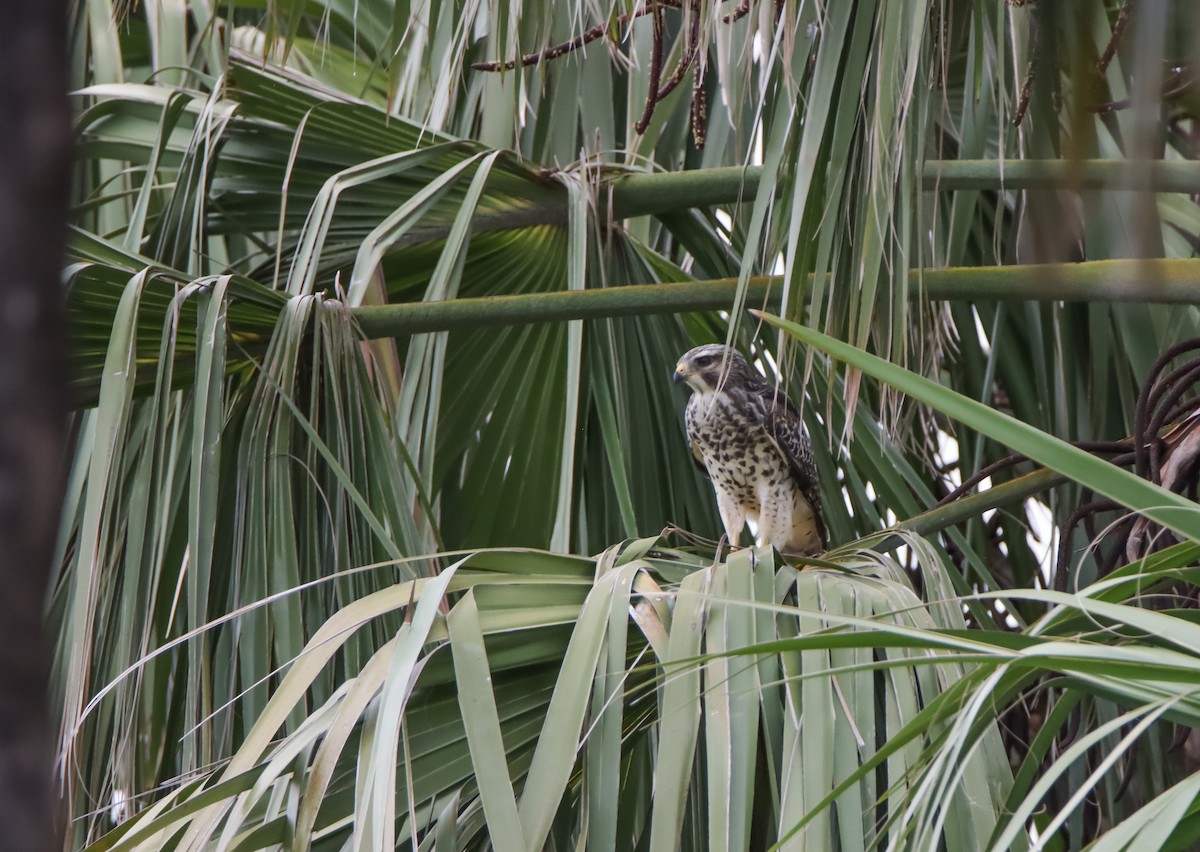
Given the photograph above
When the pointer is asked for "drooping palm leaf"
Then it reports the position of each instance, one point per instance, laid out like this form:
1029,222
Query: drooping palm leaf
523,761
245,171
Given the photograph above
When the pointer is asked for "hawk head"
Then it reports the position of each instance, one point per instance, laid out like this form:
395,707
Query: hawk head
702,367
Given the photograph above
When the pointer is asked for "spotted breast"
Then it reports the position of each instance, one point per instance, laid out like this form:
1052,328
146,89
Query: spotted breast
736,451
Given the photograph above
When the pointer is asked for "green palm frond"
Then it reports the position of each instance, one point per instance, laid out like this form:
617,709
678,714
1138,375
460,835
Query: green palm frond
171,491
334,590
678,689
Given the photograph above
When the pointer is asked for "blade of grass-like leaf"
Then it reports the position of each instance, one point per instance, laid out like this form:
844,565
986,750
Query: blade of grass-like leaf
180,237
935,802
877,170
150,834
827,69
817,724
231,616
604,740
942,708
1160,505
135,230
1140,718
317,652
106,67
1042,745
731,700
853,723
577,255
679,714
395,226
377,797
281,762
558,744
386,538
303,272
899,486
75,486
775,150
603,400
419,400
205,465
1177,631
110,422
478,704
1153,824
365,687
1126,583
167,20
718,734
770,587
446,834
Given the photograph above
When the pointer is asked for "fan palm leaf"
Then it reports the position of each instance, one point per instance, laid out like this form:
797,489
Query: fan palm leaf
319,590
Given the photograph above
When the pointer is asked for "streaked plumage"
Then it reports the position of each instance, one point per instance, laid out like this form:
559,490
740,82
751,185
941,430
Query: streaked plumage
746,437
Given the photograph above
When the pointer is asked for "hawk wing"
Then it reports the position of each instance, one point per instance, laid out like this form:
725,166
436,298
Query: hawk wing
786,428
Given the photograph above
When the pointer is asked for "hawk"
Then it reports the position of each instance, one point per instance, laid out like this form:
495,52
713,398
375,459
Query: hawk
746,437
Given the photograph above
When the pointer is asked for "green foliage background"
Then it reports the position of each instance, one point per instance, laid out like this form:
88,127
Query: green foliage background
349,561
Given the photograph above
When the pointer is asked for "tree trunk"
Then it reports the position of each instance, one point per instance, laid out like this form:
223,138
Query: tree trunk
34,174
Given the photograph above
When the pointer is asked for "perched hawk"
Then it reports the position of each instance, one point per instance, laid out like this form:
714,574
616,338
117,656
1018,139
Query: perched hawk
748,439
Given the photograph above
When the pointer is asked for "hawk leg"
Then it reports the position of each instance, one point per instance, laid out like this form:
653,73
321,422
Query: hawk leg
733,516
775,498
787,521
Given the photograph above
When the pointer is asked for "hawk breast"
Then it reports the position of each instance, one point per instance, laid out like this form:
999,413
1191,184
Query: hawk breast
727,433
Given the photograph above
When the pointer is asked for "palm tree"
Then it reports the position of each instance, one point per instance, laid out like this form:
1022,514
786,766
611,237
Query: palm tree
380,528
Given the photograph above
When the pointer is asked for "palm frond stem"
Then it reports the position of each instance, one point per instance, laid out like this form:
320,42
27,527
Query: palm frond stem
1146,281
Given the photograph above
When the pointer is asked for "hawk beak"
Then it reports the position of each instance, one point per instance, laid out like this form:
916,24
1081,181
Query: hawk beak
680,374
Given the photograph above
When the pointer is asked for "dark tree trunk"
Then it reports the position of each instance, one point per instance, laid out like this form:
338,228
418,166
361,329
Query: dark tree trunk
34,175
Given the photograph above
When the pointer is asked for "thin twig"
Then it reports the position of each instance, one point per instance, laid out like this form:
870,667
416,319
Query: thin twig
689,56
1081,513
657,89
656,51
980,475
699,107
1118,31
1160,401
1177,82
1169,399
1027,88
1147,398
1016,458
586,37
740,11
